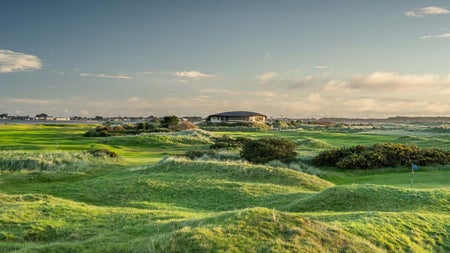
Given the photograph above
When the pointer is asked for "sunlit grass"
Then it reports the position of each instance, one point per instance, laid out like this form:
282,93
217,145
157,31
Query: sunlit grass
139,203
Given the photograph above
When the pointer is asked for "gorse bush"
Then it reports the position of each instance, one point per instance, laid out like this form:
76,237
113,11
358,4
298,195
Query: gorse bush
381,155
269,148
227,142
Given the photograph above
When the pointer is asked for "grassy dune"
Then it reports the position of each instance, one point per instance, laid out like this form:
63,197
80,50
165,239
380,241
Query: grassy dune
179,205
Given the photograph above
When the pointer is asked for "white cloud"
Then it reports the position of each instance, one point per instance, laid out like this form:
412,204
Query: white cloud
412,14
11,61
440,36
391,80
321,67
191,74
105,76
431,10
267,76
434,10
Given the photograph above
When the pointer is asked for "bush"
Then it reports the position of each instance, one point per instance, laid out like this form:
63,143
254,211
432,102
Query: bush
195,154
227,142
168,121
269,148
103,153
95,133
381,155
185,125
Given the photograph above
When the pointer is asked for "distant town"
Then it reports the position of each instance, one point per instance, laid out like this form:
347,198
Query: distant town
195,119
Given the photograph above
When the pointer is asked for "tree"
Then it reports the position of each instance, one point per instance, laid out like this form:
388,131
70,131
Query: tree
269,148
168,121
42,116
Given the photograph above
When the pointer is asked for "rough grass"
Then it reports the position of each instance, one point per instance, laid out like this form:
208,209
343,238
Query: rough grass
51,160
216,206
312,143
346,198
188,137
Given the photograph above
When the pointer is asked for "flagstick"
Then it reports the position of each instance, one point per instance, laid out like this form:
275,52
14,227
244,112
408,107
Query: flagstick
412,175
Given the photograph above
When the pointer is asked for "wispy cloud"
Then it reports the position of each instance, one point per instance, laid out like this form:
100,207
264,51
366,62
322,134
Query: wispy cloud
220,91
264,93
105,76
321,67
267,76
11,61
440,36
29,101
431,10
391,82
192,74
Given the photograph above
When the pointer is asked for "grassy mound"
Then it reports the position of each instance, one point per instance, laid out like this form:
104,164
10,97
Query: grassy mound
263,230
218,186
311,143
374,198
409,139
199,185
42,223
395,231
187,137
245,172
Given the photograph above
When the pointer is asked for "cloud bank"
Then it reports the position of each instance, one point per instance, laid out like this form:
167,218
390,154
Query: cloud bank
11,61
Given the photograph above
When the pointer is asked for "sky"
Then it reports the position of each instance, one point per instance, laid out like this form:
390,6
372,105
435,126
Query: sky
287,58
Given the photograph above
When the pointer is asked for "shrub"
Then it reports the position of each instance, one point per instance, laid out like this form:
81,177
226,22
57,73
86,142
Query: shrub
184,125
227,142
168,121
101,153
96,133
195,154
381,155
269,148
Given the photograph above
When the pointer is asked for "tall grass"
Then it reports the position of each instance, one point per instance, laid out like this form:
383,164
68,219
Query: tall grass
50,160
187,137
298,166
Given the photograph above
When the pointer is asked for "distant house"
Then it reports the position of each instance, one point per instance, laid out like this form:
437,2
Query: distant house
237,116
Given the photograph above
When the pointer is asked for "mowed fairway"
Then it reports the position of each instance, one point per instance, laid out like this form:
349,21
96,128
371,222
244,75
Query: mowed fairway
146,202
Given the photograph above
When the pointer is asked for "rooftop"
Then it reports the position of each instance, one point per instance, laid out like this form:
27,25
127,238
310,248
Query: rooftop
238,114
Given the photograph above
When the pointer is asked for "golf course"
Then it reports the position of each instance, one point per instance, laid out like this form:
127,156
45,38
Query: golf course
61,191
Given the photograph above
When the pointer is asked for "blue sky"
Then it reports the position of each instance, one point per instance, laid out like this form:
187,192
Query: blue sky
347,58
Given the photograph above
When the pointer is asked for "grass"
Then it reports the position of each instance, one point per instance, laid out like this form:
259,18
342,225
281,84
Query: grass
51,161
425,178
144,203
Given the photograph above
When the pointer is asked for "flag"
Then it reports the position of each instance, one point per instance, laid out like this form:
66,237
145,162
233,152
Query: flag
414,167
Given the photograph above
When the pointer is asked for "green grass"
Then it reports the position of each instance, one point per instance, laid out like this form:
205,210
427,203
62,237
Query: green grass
366,197
425,178
140,203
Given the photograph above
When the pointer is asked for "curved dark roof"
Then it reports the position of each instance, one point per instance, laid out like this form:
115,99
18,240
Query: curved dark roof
237,114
